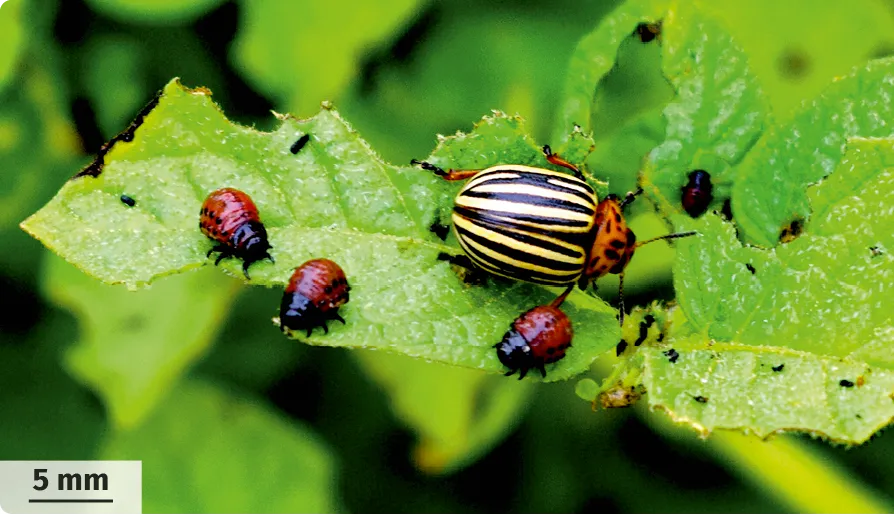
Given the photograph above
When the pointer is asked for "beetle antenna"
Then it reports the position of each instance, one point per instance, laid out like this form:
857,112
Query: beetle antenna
666,238
630,197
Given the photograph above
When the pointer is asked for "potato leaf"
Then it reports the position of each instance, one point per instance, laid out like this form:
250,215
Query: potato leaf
333,198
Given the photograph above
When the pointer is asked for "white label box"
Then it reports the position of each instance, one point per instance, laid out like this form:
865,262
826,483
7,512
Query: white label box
71,487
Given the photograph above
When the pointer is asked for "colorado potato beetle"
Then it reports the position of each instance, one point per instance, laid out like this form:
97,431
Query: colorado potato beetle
229,217
537,337
696,195
315,291
542,226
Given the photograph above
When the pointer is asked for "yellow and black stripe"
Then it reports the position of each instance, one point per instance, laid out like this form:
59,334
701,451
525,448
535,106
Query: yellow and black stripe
526,223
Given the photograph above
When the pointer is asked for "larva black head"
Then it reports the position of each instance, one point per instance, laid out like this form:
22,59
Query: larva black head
515,354
250,243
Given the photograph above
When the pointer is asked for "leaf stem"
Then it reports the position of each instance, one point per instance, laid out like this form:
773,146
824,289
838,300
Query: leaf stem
798,476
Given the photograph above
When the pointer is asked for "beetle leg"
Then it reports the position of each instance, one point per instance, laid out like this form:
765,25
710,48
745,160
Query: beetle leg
216,248
555,159
561,298
336,316
450,176
621,298
223,255
542,369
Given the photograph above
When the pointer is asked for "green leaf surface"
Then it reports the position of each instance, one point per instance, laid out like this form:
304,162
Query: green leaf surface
154,11
803,341
300,53
458,414
134,346
716,115
769,192
247,459
334,199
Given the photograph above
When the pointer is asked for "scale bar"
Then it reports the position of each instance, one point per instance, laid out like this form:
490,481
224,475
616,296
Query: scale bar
70,501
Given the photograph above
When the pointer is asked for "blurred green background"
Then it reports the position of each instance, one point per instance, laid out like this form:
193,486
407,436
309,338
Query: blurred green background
228,416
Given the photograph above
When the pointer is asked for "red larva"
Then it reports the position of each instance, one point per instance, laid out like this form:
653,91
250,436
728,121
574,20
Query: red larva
316,290
230,218
537,337
697,194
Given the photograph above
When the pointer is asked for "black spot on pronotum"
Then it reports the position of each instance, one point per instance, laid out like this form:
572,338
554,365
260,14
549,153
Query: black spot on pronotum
299,144
846,383
750,268
127,200
95,167
672,355
647,32
778,368
439,230
700,399
621,347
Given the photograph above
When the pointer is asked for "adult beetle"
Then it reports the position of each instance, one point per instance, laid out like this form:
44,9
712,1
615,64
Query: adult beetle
542,226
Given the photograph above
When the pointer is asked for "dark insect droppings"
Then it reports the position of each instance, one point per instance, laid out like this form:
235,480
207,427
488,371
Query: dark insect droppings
672,355
701,399
299,144
95,167
621,347
778,368
127,200
439,230
750,268
644,330
647,32
846,383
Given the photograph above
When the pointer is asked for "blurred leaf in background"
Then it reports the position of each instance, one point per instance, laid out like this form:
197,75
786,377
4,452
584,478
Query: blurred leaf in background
135,346
458,413
209,451
305,52
154,11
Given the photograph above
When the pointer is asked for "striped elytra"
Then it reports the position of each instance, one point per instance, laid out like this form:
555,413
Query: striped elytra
526,223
